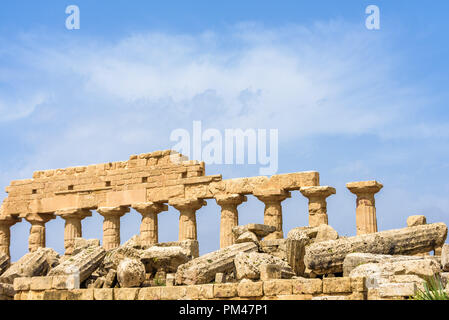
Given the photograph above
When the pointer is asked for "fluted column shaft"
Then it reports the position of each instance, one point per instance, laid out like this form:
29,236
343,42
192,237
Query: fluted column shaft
273,212
366,220
5,233
111,226
149,233
187,217
73,227
37,231
317,203
229,217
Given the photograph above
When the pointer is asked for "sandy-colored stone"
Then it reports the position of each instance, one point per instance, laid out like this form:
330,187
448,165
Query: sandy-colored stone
126,293
417,220
328,256
277,287
248,288
307,286
164,258
103,294
225,290
388,290
326,232
317,203
337,285
130,273
247,265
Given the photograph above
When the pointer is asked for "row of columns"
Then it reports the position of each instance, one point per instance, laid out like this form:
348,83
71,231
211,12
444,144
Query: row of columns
365,217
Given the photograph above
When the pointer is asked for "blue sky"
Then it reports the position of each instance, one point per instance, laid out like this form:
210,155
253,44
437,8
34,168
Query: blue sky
351,103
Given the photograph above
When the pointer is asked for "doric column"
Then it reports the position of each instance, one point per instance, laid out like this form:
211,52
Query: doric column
187,217
366,220
229,216
37,231
111,225
5,232
149,226
317,203
273,210
72,228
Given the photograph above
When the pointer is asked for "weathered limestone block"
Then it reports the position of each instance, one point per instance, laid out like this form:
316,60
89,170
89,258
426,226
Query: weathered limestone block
405,278
354,260
225,290
191,246
36,263
445,257
7,290
328,256
41,283
270,272
5,231
249,289
130,273
104,294
307,286
229,216
164,258
260,230
378,273
414,221
300,233
83,263
80,244
389,290
115,256
277,287
247,237
337,285
22,284
331,298
317,203
366,220
326,232
4,262
126,293
247,265
110,278
203,269
290,250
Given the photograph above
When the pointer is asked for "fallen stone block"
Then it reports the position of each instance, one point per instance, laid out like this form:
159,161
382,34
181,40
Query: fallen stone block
81,244
390,290
326,232
247,265
247,237
414,221
328,256
113,257
191,246
109,280
33,264
7,290
260,230
290,250
303,233
164,258
82,264
354,260
130,273
203,269
380,273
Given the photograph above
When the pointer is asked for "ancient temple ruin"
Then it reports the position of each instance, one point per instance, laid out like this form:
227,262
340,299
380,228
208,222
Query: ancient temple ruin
309,262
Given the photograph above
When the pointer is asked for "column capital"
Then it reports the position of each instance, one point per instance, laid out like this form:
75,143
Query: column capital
8,220
187,204
73,213
38,217
272,195
317,191
230,199
364,187
113,211
150,207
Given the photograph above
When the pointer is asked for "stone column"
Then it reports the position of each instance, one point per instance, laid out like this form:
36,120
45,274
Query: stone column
149,226
5,233
37,231
72,228
111,225
187,217
366,220
273,210
317,203
229,216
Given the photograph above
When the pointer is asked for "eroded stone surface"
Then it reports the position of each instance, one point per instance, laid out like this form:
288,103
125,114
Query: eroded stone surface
130,273
247,265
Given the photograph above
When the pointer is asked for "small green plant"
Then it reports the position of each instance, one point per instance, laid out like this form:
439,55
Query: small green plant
158,282
433,290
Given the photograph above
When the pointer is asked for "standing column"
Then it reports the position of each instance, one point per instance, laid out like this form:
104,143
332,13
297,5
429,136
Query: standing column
229,216
5,233
365,213
273,210
37,231
317,203
72,228
149,226
111,225
187,217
